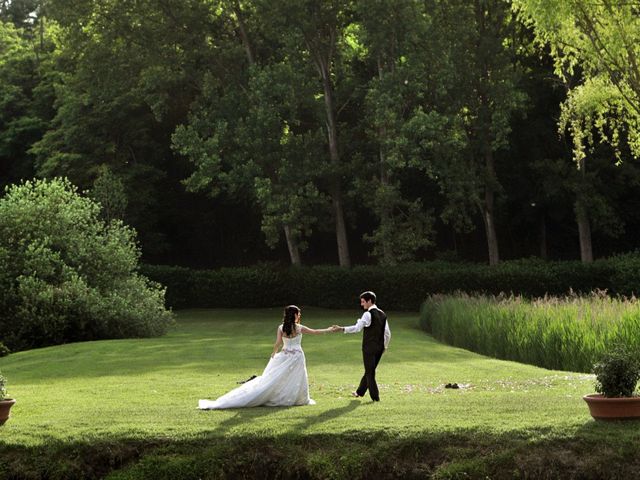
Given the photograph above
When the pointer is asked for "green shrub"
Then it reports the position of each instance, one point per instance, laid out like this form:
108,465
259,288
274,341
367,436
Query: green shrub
617,372
3,387
66,275
4,351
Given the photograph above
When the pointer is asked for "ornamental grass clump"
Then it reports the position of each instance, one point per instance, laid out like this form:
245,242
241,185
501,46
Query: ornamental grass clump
560,333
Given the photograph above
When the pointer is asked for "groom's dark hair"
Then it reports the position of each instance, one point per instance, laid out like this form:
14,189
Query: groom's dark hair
368,296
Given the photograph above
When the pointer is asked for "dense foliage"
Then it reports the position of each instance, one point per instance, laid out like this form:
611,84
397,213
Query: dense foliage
66,275
349,131
594,48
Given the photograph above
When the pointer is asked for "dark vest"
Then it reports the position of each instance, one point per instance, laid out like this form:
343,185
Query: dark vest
373,336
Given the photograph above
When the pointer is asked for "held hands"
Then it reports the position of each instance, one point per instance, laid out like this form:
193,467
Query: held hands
337,328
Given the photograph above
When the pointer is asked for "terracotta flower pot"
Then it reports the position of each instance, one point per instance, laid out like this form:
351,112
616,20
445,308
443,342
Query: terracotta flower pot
5,406
605,408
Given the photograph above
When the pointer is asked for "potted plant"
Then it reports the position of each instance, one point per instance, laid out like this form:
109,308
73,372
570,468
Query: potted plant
5,402
617,374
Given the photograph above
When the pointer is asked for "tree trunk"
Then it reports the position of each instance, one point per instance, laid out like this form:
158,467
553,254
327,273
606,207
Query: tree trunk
582,218
488,209
385,214
292,245
584,233
336,188
41,20
382,134
490,228
484,132
243,33
341,231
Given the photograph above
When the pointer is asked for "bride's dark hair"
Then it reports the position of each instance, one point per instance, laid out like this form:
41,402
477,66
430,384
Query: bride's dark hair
289,320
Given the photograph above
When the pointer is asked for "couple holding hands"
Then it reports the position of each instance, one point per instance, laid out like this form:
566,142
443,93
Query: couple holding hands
284,381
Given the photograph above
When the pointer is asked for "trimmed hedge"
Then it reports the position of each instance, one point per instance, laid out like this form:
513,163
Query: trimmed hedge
403,287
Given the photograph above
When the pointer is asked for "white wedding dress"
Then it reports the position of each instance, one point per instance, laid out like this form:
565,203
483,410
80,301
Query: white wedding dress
282,384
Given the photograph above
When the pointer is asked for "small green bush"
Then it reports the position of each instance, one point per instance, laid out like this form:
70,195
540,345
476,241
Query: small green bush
66,275
617,372
4,351
3,387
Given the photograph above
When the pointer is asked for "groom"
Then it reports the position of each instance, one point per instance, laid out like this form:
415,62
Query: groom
375,341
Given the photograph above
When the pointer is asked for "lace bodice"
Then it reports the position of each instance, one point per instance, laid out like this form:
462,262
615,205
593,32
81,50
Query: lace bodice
292,344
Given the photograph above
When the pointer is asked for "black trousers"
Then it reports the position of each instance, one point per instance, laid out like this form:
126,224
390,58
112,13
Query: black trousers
371,360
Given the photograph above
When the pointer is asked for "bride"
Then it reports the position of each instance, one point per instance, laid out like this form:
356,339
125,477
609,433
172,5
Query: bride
284,380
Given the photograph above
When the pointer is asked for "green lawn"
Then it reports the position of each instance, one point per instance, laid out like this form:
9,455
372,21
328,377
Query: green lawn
131,404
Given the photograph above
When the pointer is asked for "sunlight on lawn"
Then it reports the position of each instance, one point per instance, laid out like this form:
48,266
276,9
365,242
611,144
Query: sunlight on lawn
151,387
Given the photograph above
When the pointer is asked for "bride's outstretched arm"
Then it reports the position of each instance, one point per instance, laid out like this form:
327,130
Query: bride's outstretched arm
315,331
278,343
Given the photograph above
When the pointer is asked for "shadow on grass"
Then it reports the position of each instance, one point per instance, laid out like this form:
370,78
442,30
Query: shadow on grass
327,415
468,453
607,431
242,416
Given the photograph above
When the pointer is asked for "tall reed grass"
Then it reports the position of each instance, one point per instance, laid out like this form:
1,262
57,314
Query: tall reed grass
563,333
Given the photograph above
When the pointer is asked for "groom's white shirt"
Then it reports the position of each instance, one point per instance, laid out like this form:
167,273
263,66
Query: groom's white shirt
364,321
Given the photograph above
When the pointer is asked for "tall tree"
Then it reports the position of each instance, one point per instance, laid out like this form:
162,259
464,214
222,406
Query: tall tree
108,191
249,134
27,75
390,34
595,48
315,31
466,118
252,142
495,98
127,75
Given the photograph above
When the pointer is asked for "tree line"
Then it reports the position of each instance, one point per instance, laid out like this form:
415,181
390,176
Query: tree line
348,131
